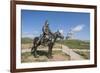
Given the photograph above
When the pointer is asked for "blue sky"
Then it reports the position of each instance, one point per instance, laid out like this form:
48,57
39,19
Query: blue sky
32,22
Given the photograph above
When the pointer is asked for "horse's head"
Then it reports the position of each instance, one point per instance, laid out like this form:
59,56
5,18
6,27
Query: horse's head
59,35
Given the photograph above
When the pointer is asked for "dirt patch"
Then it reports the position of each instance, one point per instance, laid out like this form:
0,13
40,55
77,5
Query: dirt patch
57,56
26,46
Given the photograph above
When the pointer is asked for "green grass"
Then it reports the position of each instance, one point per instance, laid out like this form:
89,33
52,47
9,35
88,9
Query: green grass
76,44
26,40
85,55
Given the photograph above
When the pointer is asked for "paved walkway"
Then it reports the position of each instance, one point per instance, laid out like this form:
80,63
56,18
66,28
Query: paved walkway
73,55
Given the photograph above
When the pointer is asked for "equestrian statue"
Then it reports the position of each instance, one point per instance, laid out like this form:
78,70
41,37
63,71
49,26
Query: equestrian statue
47,38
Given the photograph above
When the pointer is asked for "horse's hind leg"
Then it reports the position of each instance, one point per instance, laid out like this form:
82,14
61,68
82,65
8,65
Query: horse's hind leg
32,50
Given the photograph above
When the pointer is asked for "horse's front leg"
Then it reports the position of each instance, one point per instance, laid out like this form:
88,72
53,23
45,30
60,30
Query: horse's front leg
35,53
50,51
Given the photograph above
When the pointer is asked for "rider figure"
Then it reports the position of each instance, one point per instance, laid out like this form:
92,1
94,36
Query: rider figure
46,32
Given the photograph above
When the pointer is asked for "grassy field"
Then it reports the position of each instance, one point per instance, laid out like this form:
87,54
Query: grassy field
86,55
75,44
26,40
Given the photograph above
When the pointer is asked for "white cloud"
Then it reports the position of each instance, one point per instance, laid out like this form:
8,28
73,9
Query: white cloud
77,28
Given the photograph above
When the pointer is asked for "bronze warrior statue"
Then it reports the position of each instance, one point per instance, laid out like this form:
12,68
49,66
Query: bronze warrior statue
46,32
47,38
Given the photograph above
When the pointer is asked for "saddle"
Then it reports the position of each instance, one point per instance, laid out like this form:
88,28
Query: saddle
45,39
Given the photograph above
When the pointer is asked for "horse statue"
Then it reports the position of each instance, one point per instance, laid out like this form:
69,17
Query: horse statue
49,42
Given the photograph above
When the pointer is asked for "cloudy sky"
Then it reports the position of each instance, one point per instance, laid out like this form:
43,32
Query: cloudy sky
32,22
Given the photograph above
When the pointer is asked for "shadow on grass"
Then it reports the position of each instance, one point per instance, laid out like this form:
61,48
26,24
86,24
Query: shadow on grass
42,53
